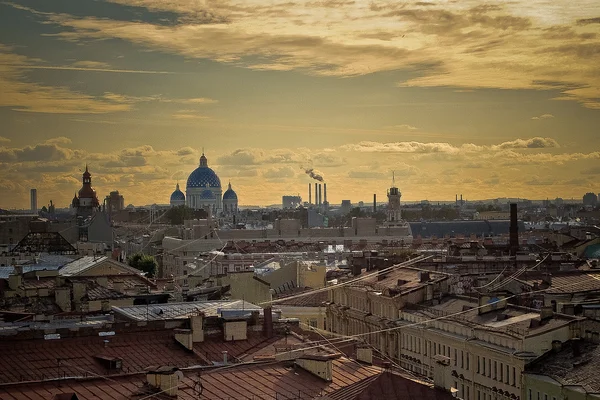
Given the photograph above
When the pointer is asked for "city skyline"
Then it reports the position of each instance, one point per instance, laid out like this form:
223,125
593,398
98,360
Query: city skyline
488,100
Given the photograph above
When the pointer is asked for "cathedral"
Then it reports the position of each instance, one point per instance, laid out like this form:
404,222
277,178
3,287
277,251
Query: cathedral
203,191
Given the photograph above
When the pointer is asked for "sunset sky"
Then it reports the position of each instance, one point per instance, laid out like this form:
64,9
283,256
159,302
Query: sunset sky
485,99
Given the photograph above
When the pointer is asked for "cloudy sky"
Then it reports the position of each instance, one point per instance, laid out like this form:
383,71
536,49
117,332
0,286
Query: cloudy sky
484,99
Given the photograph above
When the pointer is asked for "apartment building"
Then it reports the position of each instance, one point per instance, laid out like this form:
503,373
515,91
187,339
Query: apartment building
478,348
374,303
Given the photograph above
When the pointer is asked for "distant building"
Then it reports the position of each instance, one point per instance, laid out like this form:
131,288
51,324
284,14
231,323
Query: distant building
291,201
590,199
34,207
177,197
114,202
346,206
230,201
86,201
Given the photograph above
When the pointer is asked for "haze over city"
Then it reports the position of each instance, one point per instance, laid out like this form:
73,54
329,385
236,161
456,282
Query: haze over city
488,100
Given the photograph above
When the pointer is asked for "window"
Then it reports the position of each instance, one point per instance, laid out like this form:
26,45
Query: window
455,357
507,374
489,374
530,397
468,362
501,379
462,359
514,380
483,367
478,362
313,322
495,370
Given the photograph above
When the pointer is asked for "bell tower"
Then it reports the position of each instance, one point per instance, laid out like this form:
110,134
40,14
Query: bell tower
394,195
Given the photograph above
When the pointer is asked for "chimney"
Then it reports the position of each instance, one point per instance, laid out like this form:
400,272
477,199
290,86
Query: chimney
224,356
423,276
514,230
324,193
364,355
309,194
196,322
547,278
374,203
320,365
546,313
164,379
185,338
320,194
268,321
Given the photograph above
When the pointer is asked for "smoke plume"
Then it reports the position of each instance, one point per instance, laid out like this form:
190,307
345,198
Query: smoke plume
314,174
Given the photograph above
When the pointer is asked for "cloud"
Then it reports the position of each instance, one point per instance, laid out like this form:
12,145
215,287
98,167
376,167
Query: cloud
186,151
39,152
59,140
4,140
591,171
90,64
279,173
447,148
544,116
188,115
20,94
358,174
533,143
587,21
403,127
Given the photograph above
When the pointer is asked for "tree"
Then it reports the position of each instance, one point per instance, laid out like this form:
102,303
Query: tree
144,263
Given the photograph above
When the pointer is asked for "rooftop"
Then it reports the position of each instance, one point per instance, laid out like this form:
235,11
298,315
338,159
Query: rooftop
401,279
81,265
314,299
171,311
519,321
570,282
266,380
569,367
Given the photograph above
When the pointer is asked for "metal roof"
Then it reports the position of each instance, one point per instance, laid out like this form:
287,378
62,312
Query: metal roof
169,311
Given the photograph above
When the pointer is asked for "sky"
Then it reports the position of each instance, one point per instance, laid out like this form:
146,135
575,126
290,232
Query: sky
497,99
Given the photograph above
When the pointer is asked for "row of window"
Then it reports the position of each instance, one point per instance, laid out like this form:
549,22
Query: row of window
493,369
498,371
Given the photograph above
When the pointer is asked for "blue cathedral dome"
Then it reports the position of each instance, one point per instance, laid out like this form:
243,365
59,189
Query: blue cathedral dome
203,176
229,194
207,195
177,195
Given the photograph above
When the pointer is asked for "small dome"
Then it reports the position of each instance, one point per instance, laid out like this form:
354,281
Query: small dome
229,194
203,176
207,195
177,195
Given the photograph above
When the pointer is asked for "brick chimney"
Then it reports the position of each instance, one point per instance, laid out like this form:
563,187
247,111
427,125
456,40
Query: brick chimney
164,379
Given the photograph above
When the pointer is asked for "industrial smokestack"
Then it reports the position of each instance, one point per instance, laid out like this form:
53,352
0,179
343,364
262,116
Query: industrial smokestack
324,193
514,230
461,202
320,194
309,194
456,199
374,203
316,194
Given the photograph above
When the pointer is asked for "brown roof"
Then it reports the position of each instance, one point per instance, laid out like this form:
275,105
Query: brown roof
314,299
572,282
572,367
38,359
408,276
